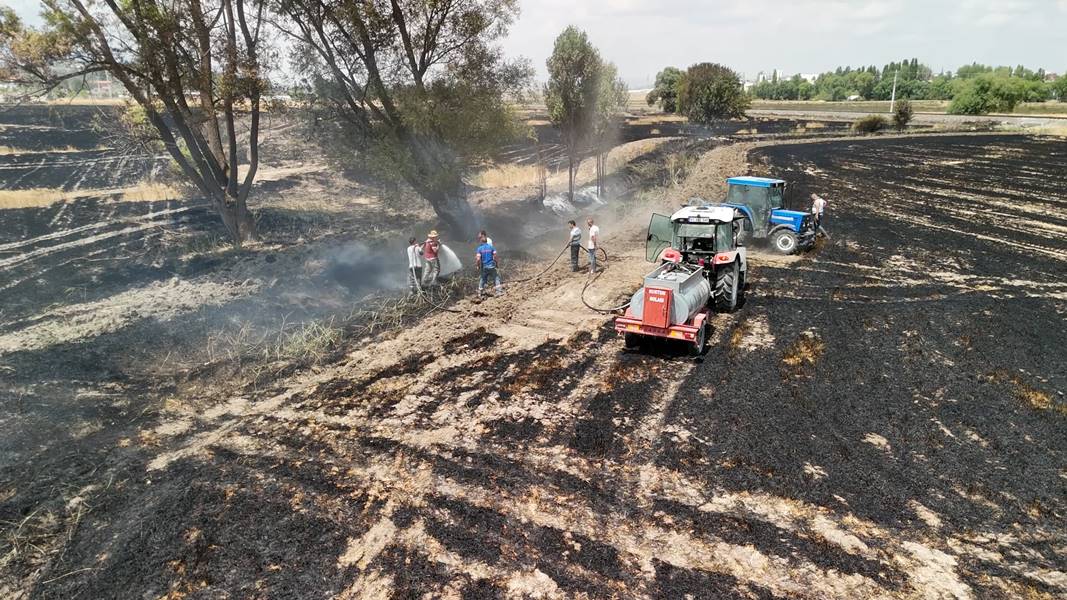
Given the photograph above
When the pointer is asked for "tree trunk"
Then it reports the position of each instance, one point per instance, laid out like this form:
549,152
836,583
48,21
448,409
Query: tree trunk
456,212
238,221
571,168
599,175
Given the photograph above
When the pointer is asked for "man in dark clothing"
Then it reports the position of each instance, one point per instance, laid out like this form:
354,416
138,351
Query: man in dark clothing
576,244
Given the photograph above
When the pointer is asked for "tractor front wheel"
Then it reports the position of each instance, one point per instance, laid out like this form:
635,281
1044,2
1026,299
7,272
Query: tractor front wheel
727,284
784,241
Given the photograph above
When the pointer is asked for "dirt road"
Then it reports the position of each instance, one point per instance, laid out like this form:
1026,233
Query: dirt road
922,118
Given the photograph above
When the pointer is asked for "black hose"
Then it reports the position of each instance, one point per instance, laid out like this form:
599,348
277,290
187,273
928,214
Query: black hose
601,254
550,265
611,310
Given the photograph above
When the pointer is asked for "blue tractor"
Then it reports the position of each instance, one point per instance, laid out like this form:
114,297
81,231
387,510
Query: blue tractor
762,199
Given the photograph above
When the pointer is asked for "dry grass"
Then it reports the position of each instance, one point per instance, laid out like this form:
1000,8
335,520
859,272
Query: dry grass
39,197
1038,399
806,350
1054,130
9,151
149,192
1033,397
507,175
653,119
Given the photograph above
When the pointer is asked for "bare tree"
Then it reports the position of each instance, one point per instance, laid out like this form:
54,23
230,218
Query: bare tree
416,85
192,66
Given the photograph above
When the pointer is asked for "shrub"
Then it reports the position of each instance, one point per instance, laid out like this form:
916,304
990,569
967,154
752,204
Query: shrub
707,92
870,124
902,115
985,94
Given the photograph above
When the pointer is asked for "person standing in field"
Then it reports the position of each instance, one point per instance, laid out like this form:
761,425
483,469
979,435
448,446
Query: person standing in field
576,244
485,255
430,249
594,240
818,210
414,265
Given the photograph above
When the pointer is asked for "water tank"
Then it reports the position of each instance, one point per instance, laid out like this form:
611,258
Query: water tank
689,290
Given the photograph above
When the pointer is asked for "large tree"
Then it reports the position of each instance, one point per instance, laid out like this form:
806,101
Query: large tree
665,92
415,89
571,94
192,67
711,91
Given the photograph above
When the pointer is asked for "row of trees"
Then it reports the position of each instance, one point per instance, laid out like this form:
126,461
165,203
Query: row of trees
584,96
417,90
981,87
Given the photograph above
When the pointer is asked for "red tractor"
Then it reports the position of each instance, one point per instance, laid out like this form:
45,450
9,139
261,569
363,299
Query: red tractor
702,268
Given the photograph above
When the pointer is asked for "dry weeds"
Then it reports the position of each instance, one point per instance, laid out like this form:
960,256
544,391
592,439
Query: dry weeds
40,197
507,175
9,151
806,350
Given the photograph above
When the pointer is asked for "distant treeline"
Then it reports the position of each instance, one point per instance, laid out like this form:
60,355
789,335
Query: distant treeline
972,88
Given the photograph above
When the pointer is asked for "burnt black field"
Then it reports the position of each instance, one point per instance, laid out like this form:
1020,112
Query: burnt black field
903,382
883,418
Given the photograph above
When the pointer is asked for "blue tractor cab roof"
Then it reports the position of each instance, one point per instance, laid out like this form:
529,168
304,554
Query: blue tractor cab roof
754,181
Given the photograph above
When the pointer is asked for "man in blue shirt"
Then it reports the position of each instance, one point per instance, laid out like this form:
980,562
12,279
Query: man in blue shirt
485,255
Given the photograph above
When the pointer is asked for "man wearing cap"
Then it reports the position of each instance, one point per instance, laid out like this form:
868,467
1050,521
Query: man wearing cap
430,249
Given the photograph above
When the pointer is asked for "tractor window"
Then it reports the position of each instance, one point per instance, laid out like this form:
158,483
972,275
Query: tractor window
696,231
660,232
777,200
750,196
724,238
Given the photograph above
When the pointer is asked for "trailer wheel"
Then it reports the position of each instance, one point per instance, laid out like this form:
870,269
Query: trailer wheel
631,340
726,288
784,241
697,347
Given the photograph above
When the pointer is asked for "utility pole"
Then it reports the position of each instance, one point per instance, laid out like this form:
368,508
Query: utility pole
893,98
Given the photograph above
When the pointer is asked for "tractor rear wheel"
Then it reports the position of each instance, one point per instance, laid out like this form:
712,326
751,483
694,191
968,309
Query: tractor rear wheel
784,241
697,347
631,340
726,287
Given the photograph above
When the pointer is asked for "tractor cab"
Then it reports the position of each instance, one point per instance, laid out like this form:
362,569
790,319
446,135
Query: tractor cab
763,199
696,232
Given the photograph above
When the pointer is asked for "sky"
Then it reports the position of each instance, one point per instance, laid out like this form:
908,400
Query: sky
794,36
798,36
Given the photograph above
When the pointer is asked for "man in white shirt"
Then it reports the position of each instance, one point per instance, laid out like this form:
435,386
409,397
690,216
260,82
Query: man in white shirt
576,244
414,265
818,208
594,239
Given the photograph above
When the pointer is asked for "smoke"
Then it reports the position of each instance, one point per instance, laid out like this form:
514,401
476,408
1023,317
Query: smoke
585,199
363,269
